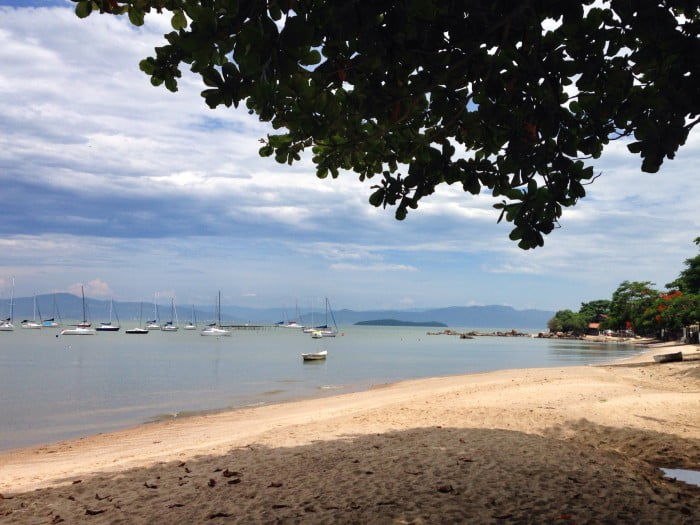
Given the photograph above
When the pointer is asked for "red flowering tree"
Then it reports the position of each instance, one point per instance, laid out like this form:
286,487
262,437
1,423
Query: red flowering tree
675,310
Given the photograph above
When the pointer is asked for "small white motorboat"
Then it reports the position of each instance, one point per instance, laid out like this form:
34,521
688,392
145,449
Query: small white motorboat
315,356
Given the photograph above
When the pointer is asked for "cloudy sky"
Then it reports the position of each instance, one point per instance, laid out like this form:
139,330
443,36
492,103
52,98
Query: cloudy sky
135,191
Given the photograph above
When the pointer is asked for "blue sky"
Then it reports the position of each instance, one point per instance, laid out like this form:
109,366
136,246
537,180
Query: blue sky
135,191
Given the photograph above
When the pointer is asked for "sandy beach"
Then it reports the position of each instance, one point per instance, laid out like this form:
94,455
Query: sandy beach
572,444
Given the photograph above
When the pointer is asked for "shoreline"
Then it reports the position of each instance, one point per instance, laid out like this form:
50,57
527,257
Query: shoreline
49,427
630,418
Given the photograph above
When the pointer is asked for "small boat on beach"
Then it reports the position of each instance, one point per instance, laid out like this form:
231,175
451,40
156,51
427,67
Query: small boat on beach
669,358
315,356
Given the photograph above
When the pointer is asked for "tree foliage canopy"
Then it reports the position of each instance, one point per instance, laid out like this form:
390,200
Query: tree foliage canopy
594,310
567,321
688,281
510,97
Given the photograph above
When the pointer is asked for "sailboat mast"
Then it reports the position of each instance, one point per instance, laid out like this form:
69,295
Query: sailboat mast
12,301
82,292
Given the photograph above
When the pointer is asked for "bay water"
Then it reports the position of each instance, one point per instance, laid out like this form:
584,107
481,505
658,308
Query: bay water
54,387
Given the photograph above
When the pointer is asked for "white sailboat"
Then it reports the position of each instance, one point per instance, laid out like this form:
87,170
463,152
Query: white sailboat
140,330
108,326
33,324
6,324
172,325
82,328
292,324
154,324
192,325
326,331
216,328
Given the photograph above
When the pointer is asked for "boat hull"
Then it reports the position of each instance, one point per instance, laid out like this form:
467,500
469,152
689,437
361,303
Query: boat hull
215,332
315,356
78,331
669,358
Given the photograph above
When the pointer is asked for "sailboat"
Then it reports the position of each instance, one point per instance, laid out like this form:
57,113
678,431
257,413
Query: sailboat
82,328
192,325
108,326
216,328
292,324
153,325
33,324
51,322
315,328
6,324
327,332
140,330
172,325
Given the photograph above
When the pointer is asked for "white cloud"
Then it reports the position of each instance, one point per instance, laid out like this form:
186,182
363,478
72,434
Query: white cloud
93,288
375,267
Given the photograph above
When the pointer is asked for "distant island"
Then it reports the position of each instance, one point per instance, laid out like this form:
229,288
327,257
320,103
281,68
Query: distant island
395,322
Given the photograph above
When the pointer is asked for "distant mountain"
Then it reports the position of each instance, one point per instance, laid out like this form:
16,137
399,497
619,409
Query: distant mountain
394,322
69,306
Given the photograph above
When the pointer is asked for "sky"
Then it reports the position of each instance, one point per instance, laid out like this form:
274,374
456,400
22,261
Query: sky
134,192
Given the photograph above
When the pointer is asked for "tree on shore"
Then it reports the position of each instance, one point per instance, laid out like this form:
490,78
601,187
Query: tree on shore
568,322
593,311
676,310
632,307
508,98
688,281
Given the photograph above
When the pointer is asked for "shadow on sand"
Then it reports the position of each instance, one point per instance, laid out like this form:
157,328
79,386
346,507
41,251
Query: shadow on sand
579,472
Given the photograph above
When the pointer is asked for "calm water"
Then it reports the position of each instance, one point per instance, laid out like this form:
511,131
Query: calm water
53,388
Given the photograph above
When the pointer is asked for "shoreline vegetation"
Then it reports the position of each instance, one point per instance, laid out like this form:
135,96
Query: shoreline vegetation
544,444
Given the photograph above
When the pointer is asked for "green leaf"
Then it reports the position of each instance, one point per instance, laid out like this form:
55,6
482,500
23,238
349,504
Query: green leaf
179,20
171,84
136,16
148,66
266,151
377,198
83,9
